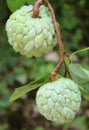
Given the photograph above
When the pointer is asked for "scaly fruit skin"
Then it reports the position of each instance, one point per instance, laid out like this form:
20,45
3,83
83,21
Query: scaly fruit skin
59,101
31,36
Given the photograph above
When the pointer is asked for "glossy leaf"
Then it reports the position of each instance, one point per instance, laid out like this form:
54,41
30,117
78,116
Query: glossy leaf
80,76
30,1
41,79
86,87
76,52
29,87
15,4
78,73
23,90
85,93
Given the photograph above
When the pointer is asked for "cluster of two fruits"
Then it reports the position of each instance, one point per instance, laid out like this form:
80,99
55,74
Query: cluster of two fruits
58,101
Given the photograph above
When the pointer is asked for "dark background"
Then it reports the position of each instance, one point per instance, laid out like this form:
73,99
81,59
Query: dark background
17,70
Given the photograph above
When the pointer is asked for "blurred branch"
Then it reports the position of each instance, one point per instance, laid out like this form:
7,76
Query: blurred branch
36,8
60,44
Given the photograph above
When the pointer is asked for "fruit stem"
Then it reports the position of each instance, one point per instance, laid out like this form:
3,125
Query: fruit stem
60,44
38,3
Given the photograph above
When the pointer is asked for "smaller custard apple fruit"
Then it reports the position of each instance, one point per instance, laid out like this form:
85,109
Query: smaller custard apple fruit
31,36
59,101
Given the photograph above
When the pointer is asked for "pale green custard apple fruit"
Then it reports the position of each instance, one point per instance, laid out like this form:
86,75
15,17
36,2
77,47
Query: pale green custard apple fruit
31,36
59,101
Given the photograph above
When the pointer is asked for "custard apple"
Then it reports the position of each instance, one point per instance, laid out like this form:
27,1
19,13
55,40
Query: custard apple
59,101
31,36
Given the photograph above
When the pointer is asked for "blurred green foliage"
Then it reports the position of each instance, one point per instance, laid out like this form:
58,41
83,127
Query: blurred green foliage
16,70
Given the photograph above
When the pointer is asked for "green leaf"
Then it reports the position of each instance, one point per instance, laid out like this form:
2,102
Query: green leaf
23,90
29,87
15,4
41,79
82,50
84,92
80,76
78,73
86,86
30,1
81,122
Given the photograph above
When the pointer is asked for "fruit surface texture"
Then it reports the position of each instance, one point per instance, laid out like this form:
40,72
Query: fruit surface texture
59,101
31,36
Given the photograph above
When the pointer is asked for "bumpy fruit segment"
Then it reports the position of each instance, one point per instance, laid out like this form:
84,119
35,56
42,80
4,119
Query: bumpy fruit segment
59,101
31,36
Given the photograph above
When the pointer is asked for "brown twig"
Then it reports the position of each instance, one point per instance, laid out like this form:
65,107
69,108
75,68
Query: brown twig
60,44
38,3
